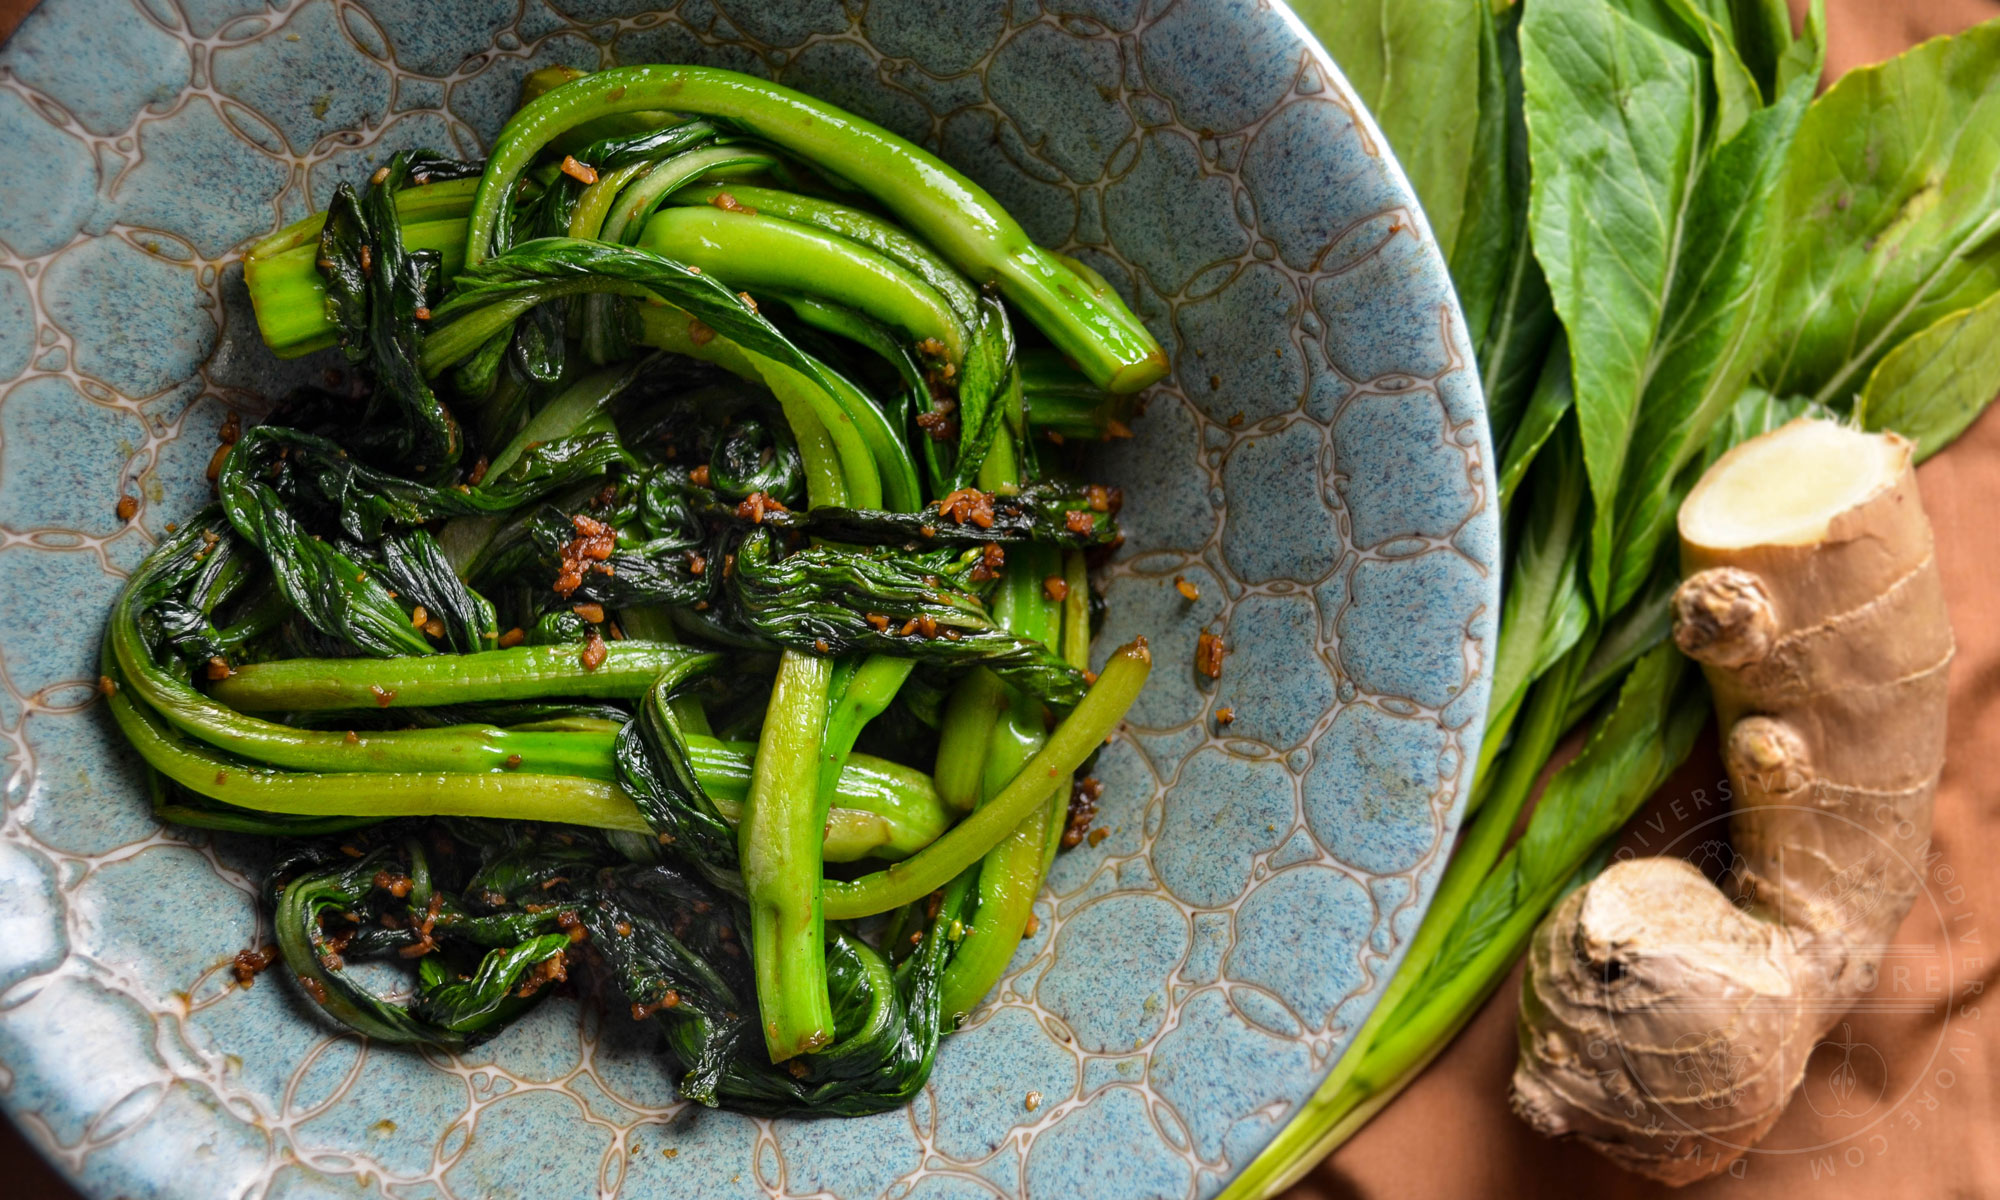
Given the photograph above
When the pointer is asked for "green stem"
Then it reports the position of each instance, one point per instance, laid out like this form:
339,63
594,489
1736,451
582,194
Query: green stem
972,712
1075,620
964,735
667,327
459,339
1060,400
855,226
506,795
568,413
1080,733
779,849
288,294
520,673
655,623
639,200
594,206
880,809
950,211
753,253
1000,470
462,748
1487,836
1444,1011
875,683
1010,875
1293,1154
448,199
895,471
1076,611
779,842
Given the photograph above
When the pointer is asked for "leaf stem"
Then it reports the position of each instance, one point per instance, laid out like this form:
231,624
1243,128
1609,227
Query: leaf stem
520,673
1080,733
947,209
779,849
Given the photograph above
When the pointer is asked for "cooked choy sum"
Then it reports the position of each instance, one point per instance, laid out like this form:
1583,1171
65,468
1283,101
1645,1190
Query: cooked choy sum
687,584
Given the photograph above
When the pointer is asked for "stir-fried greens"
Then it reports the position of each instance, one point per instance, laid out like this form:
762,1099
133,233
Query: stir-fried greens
688,436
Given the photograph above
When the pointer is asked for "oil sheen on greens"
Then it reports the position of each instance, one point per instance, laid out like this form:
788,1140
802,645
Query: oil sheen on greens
1663,244
683,587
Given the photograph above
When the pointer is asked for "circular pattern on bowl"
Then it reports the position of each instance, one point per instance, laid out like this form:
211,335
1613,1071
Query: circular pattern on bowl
1317,468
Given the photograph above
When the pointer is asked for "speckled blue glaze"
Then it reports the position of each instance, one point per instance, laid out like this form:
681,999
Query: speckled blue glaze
1317,467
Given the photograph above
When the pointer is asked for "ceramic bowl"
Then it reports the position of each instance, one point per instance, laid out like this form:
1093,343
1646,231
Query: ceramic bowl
1317,467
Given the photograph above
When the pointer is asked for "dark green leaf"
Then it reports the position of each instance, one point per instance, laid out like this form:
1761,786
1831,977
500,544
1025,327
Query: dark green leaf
1553,398
1495,214
1041,513
821,600
418,573
374,291
1736,92
336,595
1651,228
536,271
490,997
654,768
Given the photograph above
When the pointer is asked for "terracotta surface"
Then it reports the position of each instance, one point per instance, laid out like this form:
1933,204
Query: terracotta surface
1935,1063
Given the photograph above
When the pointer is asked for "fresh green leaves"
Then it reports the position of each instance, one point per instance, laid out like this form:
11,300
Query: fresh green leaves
1723,254
1545,610
1648,212
1500,285
1615,128
1891,207
1706,342
1933,385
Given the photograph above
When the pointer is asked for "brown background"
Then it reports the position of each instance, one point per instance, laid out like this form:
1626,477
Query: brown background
1451,1135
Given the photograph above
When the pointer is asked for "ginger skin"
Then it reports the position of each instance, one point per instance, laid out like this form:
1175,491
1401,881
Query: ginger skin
1662,1022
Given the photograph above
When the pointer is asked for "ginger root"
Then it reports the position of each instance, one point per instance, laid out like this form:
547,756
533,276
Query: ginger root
1662,1022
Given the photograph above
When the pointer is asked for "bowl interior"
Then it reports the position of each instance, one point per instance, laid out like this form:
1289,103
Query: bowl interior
1316,468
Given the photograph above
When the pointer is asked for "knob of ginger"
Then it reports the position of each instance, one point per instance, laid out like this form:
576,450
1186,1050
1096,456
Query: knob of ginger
1662,1022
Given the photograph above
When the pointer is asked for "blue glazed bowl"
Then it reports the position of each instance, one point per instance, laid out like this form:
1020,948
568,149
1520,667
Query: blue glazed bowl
1317,466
